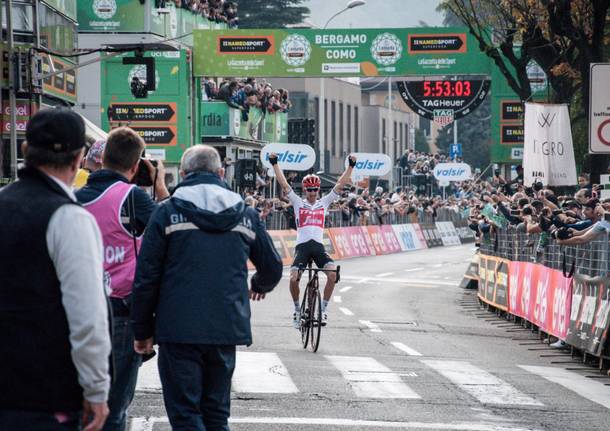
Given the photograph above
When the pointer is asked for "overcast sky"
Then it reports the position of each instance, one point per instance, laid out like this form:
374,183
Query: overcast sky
375,13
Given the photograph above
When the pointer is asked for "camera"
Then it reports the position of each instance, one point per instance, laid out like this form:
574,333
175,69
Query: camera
143,177
138,88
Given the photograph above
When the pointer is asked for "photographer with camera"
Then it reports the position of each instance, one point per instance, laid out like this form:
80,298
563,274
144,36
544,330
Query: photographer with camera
122,210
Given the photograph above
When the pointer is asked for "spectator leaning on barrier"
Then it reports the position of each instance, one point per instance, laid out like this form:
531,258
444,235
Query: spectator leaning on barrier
191,290
56,345
122,211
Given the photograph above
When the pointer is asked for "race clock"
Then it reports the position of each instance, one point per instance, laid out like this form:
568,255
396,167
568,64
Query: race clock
462,96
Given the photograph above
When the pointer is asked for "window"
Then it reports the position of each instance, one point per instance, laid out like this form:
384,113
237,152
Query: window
333,130
348,115
356,129
384,138
340,129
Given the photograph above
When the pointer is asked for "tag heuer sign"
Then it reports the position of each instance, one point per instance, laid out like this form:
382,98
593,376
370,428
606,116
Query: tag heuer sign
434,99
442,117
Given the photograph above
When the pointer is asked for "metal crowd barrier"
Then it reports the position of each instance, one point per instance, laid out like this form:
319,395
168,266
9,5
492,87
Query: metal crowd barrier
589,259
278,220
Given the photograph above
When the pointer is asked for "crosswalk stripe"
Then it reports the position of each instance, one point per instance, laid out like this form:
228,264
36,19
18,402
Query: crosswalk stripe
409,351
371,379
482,385
261,372
147,423
345,289
148,377
372,326
587,388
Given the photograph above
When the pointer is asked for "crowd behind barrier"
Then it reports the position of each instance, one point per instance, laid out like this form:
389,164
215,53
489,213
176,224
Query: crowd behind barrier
376,240
564,290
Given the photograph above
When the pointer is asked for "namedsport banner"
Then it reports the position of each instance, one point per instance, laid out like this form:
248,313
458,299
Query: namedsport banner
548,152
337,52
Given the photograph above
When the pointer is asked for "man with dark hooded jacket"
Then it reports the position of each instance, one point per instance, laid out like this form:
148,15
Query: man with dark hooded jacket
191,291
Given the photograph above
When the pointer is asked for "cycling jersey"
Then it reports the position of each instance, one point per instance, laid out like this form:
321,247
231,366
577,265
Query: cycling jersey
310,218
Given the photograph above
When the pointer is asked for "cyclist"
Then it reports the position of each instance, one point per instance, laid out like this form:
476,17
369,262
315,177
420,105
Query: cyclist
309,214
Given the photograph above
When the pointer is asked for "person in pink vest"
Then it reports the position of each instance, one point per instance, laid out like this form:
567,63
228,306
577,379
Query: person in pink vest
122,210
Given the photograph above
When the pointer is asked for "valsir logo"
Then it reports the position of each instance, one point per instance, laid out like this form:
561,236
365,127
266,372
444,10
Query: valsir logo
371,164
446,172
291,157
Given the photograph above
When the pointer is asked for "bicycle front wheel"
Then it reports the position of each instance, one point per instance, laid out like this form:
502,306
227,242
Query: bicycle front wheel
315,308
304,324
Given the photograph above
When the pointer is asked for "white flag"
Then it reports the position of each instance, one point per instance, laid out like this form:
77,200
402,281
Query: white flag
548,154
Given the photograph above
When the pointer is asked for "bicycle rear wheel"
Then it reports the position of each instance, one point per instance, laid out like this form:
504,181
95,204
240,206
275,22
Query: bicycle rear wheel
304,324
315,307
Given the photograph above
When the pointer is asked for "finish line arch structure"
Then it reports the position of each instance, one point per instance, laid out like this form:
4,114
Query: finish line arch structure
402,53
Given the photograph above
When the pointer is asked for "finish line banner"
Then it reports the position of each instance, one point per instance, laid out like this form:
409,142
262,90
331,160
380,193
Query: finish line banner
337,52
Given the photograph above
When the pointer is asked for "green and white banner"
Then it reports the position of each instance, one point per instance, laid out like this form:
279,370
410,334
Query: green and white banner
337,52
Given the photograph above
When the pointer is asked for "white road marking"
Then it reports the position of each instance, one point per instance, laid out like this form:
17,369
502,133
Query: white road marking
587,388
413,269
482,385
437,265
385,274
371,379
337,299
147,424
260,372
346,288
372,326
421,281
148,377
409,351
346,311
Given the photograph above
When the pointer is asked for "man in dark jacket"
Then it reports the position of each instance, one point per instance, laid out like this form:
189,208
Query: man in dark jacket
53,314
191,290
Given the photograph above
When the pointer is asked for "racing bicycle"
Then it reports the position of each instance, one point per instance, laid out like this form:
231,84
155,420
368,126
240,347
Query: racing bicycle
311,306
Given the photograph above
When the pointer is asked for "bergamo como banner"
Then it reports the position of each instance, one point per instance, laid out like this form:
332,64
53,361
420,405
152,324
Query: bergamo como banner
337,52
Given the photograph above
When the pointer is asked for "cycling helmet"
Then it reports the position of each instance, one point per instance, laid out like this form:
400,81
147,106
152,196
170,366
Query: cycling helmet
311,181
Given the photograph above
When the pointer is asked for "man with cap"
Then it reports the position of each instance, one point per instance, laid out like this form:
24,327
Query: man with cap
54,355
122,211
91,163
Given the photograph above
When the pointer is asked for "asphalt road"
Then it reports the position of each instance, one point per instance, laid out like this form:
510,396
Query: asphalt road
405,348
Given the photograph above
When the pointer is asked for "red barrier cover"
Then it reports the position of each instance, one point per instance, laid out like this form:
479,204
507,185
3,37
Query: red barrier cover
376,240
542,296
389,236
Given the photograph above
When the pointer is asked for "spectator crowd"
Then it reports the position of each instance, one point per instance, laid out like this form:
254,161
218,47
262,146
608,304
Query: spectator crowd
219,11
248,93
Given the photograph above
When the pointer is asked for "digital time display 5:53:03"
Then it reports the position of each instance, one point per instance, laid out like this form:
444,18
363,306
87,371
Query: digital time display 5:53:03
447,88
461,96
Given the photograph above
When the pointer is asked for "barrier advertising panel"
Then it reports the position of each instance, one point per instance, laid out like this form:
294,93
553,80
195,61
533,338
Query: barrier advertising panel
390,239
464,232
376,239
431,234
449,235
494,281
590,316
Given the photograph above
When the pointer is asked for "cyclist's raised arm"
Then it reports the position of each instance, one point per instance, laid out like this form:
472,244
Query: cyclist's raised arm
279,174
346,177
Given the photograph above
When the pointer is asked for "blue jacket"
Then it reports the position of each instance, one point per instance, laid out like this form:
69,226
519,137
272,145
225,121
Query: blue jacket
191,278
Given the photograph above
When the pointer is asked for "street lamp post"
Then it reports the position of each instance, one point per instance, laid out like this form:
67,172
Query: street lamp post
321,112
